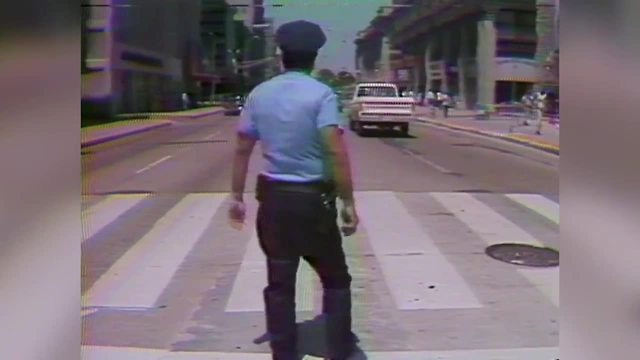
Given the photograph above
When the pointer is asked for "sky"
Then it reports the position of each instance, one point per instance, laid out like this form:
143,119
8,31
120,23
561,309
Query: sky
340,19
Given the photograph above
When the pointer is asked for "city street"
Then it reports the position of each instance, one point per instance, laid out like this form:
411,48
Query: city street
165,277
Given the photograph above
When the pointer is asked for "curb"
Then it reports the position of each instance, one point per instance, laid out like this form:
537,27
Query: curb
552,149
108,138
174,115
194,116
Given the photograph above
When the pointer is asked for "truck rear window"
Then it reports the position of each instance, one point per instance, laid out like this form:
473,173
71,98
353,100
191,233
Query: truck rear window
380,91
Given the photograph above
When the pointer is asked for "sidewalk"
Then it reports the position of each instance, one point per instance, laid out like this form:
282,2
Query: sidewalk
138,123
504,127
190,114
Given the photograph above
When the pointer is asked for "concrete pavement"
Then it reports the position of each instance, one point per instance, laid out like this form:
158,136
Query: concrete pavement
508,128
139,123
166,278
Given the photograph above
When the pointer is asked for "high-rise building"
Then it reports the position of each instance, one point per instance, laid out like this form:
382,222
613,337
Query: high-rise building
220,38
257,43
139,56
251,12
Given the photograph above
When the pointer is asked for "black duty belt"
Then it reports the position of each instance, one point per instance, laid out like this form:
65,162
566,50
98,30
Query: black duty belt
316,187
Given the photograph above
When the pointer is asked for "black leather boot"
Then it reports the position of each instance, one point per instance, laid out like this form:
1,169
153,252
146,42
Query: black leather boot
336,309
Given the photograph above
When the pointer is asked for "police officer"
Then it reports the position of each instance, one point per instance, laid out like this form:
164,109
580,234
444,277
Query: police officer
296,119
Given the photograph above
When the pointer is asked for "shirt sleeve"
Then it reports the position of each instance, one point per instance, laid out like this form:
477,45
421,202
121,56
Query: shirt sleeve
247,123
329,114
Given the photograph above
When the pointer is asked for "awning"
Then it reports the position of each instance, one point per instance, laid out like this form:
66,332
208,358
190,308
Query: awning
517,79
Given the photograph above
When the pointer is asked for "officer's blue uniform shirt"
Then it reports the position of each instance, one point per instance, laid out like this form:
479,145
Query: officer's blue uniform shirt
285,115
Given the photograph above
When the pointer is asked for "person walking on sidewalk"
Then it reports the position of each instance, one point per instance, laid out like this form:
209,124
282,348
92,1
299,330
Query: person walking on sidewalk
296,119
431,102
447,102
540,104
527,104
185,101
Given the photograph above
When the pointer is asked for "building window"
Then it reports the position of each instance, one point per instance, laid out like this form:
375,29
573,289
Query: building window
516,49
511,91
141,59
520,20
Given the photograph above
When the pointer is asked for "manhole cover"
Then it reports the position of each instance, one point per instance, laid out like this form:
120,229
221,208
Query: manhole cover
525,255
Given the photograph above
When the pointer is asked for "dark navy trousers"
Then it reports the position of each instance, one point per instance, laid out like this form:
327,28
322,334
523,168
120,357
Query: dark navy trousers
303,224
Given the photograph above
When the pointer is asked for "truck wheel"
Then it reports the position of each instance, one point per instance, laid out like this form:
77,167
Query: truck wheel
404,129
357,127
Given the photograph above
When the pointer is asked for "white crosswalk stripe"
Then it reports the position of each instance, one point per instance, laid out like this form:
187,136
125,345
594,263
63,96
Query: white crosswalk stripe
492,227
109,353
252,278
140,276
496,229
107,211
547,280
539,204
418,275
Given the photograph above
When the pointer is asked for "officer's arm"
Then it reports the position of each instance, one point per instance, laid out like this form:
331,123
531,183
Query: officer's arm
244,148
338,162
247,137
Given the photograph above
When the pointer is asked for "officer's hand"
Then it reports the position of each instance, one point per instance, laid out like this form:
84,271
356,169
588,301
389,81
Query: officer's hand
349,219
237,212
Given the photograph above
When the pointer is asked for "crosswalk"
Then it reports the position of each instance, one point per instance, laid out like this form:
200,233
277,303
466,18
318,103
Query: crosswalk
427,248
542,353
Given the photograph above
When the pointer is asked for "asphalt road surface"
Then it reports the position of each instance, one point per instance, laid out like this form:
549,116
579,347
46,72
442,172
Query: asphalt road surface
164,277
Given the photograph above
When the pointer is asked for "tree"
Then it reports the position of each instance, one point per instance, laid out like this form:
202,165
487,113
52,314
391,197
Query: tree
345,78
326,76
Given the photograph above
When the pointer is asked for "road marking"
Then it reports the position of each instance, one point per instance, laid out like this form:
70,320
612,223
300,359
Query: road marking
427,161
492,227
108,210
539,204
246,294
212,135
547,280
120,353
86,312
143,272
417,274
153,164
497,138
109,353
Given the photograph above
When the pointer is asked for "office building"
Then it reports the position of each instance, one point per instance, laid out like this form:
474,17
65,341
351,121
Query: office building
483,51
140,56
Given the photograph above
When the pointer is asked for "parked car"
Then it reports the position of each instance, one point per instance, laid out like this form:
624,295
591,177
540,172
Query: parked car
234,106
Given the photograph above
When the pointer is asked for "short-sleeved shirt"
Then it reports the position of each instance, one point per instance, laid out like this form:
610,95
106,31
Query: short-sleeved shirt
286,114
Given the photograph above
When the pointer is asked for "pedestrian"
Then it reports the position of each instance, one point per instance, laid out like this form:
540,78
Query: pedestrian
446,104
540,104
185,101
296,119
526,107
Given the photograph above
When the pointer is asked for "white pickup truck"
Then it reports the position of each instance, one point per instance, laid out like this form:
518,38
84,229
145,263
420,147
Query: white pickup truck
380,105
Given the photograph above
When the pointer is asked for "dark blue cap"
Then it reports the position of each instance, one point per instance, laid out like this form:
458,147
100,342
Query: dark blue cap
300,36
